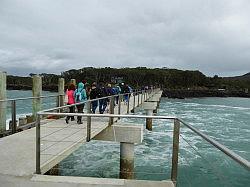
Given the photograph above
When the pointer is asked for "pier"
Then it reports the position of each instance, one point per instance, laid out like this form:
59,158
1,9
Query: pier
27,156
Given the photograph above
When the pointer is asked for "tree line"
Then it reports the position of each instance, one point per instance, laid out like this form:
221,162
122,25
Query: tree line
137,77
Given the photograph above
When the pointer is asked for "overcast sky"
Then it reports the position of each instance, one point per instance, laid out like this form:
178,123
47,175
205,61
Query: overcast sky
51,36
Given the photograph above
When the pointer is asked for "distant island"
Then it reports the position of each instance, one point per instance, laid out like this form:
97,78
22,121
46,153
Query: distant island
175,83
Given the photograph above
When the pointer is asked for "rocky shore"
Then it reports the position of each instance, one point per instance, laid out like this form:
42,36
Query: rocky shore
186,93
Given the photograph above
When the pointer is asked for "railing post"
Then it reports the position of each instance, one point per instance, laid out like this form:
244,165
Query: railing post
37,92
133,110
119,104
38,144
176,135
3,104
61,92
141,96
13,111
111,110
128,104
88,107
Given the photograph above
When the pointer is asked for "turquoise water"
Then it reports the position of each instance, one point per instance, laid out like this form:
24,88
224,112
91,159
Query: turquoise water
225,119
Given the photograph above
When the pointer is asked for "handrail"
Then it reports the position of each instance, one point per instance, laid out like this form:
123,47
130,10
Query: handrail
216,144
27,98
221,147
97,99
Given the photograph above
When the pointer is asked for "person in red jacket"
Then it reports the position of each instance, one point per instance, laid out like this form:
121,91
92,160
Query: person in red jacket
71,100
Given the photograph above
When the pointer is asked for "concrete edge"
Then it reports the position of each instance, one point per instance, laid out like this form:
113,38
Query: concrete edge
77,180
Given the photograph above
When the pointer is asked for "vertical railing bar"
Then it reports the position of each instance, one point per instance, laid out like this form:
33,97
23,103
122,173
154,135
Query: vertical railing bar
134,101
13,111
176,134
138,98
119,104
88,121
38,146
128,104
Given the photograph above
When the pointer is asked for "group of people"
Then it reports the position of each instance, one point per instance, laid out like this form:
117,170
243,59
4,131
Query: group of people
78,95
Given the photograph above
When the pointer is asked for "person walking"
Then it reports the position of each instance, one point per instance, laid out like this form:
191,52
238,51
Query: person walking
102,92
80,97
71,100
93,94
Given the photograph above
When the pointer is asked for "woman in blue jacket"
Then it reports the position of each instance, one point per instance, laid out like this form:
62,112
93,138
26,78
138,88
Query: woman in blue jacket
80,97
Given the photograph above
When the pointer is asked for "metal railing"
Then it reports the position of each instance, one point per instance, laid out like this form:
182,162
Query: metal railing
13,106
176,132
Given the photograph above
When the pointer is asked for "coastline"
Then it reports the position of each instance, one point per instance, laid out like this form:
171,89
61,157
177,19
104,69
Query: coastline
188,93
170,93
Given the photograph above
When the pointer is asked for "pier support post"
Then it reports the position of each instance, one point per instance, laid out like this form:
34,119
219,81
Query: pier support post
138,98
37,92
176,135
3,103
149,107
126,160
61,92
73,81
149,120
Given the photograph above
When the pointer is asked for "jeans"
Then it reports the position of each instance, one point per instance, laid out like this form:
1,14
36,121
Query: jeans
102,105
94,106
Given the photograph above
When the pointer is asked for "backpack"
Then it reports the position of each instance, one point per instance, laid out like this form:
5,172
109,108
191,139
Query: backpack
78,96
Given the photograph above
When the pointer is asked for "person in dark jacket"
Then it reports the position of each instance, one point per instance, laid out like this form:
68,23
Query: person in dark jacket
102,102
94,95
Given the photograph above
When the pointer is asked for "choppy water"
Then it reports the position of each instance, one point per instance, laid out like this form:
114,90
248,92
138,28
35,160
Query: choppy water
225,119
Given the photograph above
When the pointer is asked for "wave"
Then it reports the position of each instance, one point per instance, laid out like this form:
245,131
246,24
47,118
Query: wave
220,106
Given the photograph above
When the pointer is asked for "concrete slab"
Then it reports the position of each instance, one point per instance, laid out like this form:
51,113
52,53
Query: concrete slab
149,105
122,133
153,99
67,181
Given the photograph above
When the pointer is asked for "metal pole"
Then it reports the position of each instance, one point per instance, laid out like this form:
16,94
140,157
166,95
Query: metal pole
128,104
38,148
134,100
141,97
88,107
111,111
119,104
138,97
176,135
13,111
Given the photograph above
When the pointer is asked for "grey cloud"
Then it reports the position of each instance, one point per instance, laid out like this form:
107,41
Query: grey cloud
53,36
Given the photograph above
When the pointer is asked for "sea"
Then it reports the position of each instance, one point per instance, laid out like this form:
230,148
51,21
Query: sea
227,120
